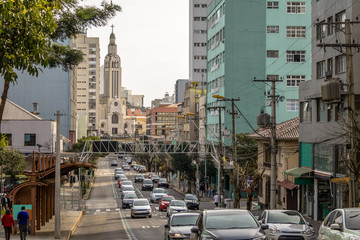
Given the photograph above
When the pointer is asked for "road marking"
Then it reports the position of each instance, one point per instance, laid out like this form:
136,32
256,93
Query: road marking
97,210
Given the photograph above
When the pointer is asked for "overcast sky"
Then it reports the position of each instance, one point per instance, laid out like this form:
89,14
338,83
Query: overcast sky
153,44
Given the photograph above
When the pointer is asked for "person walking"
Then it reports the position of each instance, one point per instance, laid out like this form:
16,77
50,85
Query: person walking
214,191
216,200
23,218
8,222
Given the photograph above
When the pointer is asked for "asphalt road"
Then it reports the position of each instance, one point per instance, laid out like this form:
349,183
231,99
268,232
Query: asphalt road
105,219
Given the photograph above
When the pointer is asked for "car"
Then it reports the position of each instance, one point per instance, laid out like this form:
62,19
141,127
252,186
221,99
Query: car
140,208
164,202
114,163
142,169
119,175
128,200
126,183
139,178
179,225
284,224
341,223
125,165
176,206
163,183
156,194
127,190
147,185
117,169
155,178
126,168
192,202
227,224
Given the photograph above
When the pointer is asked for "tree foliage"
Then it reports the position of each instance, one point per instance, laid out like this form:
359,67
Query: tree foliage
13,161
182,162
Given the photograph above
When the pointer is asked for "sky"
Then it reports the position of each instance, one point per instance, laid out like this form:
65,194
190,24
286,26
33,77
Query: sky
153,43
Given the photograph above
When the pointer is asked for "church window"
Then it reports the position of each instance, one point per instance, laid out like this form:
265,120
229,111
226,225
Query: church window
114,118
102,125
115,104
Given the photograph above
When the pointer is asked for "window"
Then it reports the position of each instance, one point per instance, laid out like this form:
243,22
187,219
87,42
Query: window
295,32
295,7
29,139
340,17
8,138
114,118
294,80
196,18
330,66
321,111
340,64
272,53
196,5
272,29
321,30
306,112
320,69
295,56
292,105
330,27
273,5
330,113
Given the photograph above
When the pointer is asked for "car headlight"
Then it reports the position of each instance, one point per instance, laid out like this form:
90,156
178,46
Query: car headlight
354,238
262,237
176,235
274,230
308,231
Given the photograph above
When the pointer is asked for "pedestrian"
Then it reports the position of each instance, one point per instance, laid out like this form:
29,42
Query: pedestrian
216,200
8,222
202,188
23,218
209,191
214,191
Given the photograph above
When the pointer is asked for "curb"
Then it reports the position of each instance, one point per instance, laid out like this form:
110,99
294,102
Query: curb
76,224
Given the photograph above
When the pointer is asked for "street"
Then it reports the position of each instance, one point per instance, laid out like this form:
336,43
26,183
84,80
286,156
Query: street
105,219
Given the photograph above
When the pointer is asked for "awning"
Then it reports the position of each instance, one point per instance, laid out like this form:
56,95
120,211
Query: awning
297,172
344,181
304,181
287,184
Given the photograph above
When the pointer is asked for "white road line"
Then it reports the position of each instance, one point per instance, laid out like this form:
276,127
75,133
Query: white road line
97,210
108,210
125,228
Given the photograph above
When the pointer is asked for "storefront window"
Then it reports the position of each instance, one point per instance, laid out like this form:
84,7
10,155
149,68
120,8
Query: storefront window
323,157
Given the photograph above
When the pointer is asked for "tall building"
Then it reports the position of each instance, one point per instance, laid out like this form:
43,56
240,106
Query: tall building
112,103
161,121
88,84
197,41
180,89
323,133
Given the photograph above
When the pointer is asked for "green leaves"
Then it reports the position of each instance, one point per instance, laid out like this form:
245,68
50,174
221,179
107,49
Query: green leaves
13,161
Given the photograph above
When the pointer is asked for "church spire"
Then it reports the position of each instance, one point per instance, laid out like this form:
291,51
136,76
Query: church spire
112,48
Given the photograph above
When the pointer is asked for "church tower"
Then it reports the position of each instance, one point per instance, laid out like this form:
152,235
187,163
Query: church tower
112,104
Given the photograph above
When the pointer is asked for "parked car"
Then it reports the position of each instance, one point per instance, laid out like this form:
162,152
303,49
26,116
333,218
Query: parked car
155,178
284,224
127,190
164,202
342,223
139,178
192,202
147,185
128,200
156,194
179,225
227,224
176,206
140,208
114,163
163,183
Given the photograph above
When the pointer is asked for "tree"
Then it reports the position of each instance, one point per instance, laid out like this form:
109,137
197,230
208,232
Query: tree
182,162
32,29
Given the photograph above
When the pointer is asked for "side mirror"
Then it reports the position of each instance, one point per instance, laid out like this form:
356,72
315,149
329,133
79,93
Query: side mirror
335,226
195,230
264,226
166,226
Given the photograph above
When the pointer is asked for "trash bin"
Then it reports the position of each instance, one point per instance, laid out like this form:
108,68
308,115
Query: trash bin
229,203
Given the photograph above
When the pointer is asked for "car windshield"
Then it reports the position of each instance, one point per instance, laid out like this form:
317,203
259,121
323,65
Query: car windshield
162,180
230,220
190,197
147,181
159,190
285,217
177,203
127,183
128,188
155,176
168,198
141,203
139,176
130,196
189,220
352,220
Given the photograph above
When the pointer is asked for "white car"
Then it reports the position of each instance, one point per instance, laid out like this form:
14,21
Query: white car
176,206
156,194
141,208
126,190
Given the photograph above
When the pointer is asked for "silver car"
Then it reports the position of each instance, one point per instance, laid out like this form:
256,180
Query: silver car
126,190
179,225
176,206
286,224
156,194
141,208
128,200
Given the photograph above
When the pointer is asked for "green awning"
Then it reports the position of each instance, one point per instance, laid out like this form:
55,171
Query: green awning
304,181
297,172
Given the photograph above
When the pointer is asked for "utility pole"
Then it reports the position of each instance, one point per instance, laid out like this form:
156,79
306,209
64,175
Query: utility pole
221,161
350,101
57,232
273,142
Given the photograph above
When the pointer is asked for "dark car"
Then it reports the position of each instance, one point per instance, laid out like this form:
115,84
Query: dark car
163,183
147,185
192,202
139,178
179,225
155,178
142,169
128,200
227,224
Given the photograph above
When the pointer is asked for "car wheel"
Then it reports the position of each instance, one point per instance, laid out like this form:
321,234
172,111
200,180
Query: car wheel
197,208
152,201
150,216
132,216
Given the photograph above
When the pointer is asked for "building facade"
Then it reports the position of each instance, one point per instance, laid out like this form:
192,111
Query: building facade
88,84
179,90
323,132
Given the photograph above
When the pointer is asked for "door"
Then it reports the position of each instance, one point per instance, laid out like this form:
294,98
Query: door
291,199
